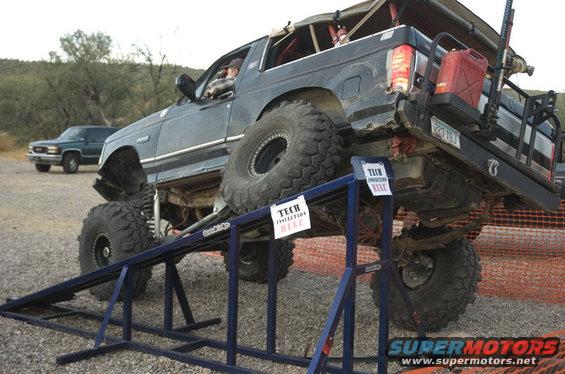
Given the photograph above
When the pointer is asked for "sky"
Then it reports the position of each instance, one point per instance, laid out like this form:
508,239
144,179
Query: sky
196,33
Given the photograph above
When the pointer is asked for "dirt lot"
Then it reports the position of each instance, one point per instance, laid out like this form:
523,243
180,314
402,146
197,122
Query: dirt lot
40,218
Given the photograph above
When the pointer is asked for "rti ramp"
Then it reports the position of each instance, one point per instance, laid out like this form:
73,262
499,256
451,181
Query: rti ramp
347,187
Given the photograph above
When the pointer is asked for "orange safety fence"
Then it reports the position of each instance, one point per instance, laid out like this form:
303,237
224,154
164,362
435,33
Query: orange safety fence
522,253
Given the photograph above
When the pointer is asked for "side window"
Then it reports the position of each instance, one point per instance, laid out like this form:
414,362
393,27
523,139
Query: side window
324,32
219,70
290,47
97,135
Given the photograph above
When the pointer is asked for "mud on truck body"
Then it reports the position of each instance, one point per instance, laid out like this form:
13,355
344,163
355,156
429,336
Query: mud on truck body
300,108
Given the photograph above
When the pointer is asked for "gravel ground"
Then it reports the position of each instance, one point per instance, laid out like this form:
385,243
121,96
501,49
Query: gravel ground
40,218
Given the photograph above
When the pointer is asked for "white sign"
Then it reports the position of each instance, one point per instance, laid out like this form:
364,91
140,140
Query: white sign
290,217
377,179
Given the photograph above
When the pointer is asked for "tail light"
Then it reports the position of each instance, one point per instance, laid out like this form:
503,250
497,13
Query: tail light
399,68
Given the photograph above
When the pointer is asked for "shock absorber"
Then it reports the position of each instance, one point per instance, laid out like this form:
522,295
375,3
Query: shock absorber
156,215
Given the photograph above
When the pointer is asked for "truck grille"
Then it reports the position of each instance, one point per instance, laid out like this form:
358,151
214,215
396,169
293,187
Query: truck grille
40,149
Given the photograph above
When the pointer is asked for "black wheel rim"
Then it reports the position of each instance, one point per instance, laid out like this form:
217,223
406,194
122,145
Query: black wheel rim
73,164
268,153
101,250
418,271
248,254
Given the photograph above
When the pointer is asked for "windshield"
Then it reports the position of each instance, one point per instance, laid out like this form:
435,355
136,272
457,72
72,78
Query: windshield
73,133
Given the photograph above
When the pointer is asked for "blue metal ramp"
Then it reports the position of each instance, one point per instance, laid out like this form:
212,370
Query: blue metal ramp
347,187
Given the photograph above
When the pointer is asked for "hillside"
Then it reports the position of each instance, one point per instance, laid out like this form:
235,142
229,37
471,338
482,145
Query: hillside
39,99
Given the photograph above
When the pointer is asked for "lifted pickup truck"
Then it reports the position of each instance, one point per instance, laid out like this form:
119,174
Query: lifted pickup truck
307,97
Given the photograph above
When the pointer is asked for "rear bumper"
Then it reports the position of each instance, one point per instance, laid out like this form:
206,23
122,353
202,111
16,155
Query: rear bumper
537,193
44,158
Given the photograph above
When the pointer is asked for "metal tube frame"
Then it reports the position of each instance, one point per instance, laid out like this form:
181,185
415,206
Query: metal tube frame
344,301
537,109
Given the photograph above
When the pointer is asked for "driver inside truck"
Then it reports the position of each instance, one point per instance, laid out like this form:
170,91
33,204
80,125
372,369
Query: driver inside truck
226,82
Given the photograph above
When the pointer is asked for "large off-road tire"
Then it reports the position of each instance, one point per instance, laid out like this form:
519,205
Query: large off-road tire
254,260
292,148
42,168
71,161
441,286
110,233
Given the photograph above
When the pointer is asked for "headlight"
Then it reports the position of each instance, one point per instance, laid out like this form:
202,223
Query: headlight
53,149
30,149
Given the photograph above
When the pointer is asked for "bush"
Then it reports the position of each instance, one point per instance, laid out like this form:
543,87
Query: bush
7,142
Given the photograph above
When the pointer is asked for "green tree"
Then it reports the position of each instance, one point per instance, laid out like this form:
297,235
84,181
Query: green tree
95,82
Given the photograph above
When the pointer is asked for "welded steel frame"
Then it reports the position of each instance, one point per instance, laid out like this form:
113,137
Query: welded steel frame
343,304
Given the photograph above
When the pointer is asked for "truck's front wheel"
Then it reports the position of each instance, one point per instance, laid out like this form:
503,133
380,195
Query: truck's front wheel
42,168
110,233
71,161
440,283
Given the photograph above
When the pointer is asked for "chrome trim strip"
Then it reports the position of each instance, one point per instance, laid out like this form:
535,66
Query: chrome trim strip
233,138
44,155
183,151
72,149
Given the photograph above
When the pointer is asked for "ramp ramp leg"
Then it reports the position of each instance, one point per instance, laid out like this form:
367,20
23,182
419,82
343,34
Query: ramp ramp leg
174,283
233,300
110,309
125,276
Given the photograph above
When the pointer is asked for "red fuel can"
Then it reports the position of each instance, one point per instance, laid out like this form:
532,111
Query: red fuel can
462,73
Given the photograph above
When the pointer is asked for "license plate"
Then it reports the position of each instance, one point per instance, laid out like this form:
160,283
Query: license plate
445,133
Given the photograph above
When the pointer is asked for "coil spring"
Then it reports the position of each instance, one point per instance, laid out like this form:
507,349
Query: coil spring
147,205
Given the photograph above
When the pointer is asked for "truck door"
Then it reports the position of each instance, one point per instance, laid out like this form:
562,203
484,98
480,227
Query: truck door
94,141
193,137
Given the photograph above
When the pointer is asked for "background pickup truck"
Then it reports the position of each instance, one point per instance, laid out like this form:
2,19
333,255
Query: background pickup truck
360,82
75,146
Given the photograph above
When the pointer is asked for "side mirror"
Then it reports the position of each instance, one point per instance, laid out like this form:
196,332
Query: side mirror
186,85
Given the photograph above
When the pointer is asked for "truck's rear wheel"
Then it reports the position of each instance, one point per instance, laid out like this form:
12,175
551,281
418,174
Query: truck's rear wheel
110,233
292,148
440,283
254,260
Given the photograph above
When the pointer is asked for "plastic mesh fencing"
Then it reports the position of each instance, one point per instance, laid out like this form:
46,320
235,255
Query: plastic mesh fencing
522,253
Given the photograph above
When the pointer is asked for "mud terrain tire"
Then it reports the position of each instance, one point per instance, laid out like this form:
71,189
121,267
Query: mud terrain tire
254,260
110,233
292,148
445,295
